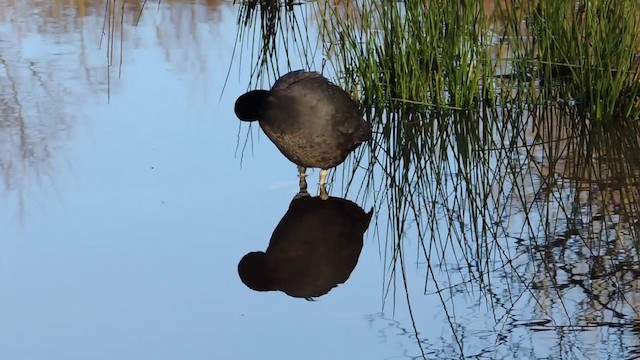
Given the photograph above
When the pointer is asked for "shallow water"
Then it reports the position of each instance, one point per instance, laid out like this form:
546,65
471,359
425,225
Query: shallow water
125,212
124,218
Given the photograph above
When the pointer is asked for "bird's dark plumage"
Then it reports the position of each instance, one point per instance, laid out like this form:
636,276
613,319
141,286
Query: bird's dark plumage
313,122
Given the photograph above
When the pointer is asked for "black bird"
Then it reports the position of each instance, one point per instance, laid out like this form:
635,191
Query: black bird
313,122
314,248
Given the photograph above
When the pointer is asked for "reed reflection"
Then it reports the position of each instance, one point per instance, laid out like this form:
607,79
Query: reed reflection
313,249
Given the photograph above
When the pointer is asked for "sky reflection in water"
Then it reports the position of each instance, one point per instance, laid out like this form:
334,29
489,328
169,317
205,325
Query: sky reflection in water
122,233
123,222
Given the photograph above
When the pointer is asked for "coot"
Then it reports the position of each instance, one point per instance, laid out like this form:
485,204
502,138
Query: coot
313,122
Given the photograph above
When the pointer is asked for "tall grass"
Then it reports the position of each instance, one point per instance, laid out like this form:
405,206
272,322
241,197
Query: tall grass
426,53
592,45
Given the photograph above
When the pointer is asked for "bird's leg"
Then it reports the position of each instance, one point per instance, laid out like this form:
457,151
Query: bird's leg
323,184
303,178
303,183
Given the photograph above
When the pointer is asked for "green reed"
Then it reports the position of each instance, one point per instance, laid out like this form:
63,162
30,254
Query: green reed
590,46
417,52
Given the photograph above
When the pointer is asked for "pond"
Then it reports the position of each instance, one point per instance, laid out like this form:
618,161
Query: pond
131,192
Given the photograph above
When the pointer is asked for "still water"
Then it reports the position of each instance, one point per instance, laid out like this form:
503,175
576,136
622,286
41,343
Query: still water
123,219
127,203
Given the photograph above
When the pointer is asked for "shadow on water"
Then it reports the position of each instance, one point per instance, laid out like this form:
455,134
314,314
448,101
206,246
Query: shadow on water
313,249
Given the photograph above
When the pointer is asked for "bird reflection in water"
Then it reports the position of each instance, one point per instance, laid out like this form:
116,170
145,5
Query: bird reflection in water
314,248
